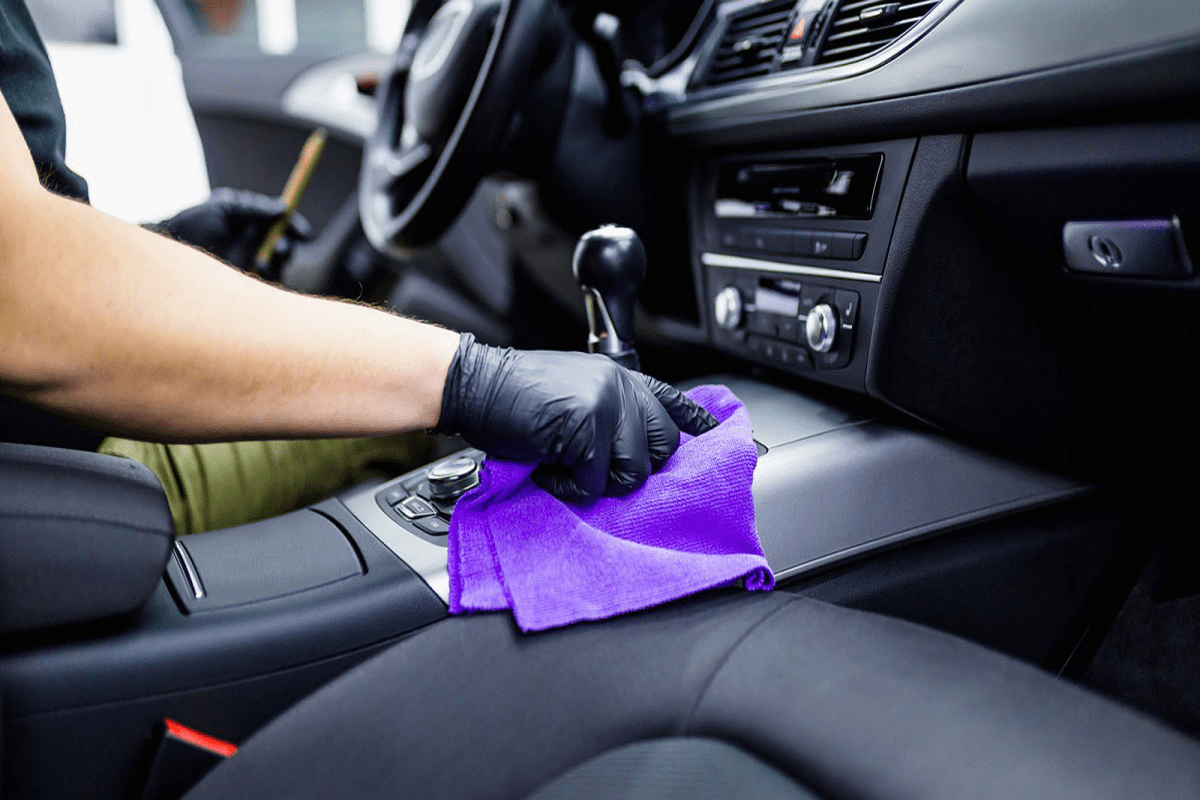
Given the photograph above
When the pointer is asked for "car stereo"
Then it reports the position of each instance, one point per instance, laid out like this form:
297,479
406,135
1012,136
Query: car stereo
793,252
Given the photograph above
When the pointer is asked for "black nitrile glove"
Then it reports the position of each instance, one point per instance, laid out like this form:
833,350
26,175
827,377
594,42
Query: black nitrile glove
231,225
595,427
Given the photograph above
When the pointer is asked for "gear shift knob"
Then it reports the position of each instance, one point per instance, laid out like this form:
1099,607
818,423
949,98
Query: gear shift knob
610,264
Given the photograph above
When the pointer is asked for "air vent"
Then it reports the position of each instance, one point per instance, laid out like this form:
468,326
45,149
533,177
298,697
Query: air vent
862,27
751,38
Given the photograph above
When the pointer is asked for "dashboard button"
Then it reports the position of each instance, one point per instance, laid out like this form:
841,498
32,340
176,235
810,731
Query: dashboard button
800,358
843,244
787,328
765,240
847,306
822,244
393,495
761,323
416,508
860,245
434,526
802,243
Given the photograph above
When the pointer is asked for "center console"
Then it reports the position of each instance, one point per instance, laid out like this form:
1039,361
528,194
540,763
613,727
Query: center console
791,252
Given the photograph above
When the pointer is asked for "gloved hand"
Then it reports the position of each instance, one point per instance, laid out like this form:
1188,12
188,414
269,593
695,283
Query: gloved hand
231,225
596,427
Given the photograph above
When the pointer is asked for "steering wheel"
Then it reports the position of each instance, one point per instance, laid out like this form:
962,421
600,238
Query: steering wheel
444,110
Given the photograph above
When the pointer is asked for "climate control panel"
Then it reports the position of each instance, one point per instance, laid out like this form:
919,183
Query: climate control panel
799,325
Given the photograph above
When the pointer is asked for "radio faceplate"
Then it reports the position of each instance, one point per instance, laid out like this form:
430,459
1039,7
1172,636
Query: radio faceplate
791,253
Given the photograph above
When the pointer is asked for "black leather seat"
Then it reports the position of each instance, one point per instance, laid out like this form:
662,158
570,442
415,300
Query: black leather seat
776,695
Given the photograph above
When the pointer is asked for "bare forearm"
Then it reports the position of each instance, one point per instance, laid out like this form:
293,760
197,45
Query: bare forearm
147,337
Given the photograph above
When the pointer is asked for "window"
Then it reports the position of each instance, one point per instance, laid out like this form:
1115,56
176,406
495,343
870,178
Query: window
279,27
81,21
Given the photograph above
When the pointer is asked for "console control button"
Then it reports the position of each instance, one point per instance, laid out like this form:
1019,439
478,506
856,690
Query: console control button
393,495
859,246
822,244
797,358
765,240
847,306
821,328
787,328
727,308
449,479
415,508
762,323
843,245
434,526
802,243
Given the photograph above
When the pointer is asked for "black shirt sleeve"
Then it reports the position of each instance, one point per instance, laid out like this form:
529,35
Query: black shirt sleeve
27,83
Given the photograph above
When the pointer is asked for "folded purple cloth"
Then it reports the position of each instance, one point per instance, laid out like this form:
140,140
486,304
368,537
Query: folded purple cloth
689,528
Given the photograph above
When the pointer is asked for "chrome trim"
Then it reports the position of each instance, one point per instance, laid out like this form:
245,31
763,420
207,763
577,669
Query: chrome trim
184,559
741,262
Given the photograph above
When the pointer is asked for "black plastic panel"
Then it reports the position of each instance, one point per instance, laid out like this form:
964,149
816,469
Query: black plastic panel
261,561
1028,585
89,696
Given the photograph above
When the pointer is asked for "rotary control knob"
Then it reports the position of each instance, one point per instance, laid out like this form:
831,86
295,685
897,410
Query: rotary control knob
727,308
449,479
821,328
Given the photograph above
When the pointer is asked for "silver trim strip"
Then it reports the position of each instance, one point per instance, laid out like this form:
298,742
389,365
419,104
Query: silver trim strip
184,558
741,262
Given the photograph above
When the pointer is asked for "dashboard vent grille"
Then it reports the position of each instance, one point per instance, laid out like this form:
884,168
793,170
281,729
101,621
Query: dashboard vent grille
750,41
862,27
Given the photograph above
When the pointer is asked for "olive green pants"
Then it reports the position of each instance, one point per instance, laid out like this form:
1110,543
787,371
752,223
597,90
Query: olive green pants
211,486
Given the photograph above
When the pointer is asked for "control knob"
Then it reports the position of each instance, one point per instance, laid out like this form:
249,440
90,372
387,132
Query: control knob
449,479
821,328
727,308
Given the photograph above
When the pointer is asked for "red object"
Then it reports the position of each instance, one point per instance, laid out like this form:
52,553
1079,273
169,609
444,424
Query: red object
195,738
798,31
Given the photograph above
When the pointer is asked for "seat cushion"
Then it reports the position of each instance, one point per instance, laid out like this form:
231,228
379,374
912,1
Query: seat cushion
674,769
845,703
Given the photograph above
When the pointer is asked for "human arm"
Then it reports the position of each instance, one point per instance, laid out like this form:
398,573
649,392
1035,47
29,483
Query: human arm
145,337
142,336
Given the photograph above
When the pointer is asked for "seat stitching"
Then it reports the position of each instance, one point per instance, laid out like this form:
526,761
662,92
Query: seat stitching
687,723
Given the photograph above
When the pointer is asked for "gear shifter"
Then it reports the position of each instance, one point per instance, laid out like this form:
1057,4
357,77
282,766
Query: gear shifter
610,264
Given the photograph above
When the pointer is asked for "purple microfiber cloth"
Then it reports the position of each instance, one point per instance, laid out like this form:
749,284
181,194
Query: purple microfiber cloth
691,527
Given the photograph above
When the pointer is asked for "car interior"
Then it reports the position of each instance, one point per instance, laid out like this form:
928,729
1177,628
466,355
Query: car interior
945,253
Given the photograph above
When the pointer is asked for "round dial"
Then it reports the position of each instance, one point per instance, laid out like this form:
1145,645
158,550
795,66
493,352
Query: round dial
727,308
449,479
821,328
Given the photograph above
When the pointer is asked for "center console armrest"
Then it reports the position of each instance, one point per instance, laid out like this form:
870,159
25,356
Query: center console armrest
82,536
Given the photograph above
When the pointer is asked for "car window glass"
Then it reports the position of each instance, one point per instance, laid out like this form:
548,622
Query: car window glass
82,21
278,27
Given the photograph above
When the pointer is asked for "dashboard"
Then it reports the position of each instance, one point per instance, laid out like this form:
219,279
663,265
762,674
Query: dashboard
977,213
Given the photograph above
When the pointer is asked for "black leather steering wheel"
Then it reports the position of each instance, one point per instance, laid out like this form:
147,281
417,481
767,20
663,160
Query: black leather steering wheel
444,111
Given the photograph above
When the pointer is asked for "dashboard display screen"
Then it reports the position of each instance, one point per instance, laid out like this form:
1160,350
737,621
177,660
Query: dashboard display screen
777,297
816,187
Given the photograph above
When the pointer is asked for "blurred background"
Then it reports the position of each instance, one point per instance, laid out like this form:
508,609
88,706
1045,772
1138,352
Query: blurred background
127,68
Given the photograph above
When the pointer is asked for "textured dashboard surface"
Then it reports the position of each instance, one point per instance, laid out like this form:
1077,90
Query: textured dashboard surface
978,42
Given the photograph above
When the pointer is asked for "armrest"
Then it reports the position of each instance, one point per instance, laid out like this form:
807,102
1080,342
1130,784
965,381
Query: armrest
82,536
